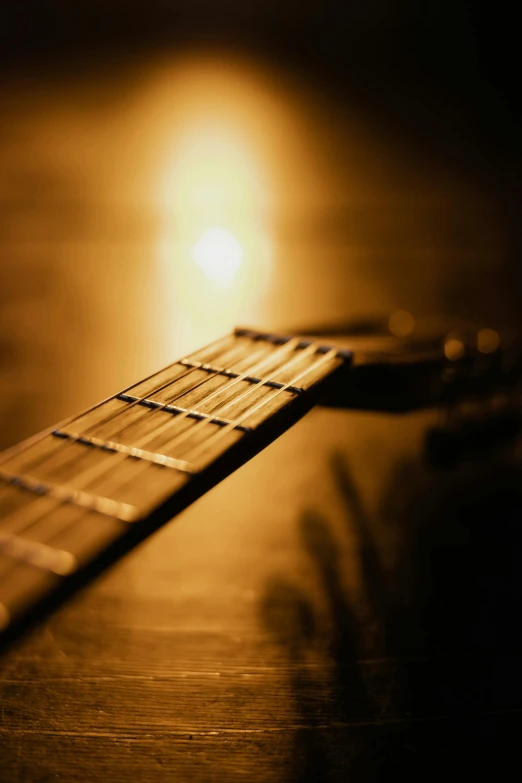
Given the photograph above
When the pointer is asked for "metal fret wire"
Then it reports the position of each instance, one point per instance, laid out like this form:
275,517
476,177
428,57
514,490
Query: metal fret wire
23,511
289,346
217,411
58,458
33,504
311,348
26,524
187,434
13,452
187,413
285,348
114,416
5,616
213,344
150,436
223,431
71,563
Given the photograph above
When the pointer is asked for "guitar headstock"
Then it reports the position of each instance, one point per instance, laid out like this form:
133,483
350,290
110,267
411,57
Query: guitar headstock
471,373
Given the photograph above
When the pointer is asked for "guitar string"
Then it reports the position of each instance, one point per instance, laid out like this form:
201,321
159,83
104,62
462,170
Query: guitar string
223,430
183,436
285,348
58,456
34,503
279,391
311,349
268,400
71,561
252,368
202,447
23,447
6,616
263,354
56,459
91,473
26,524
72,523
206,422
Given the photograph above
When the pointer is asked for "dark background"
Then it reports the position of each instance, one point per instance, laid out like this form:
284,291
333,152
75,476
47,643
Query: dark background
439,78
441,74
338,609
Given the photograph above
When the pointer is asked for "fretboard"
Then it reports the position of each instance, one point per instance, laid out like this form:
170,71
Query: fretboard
77,497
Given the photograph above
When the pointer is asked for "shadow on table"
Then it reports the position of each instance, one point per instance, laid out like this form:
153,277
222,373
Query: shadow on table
424,674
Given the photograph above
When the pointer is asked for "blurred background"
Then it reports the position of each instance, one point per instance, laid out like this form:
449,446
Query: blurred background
337,609
169,170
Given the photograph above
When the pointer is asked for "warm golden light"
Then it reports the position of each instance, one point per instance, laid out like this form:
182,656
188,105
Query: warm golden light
487,340
401,323
454,349
5,617
219,254
215,191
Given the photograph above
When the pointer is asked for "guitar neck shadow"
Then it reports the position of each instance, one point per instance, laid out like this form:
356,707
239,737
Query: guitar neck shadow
416,670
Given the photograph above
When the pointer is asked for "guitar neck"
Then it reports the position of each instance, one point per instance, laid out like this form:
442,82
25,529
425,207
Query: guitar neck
77,497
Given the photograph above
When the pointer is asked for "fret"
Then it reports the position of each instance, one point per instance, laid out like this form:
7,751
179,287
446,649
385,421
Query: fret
271,401
190,413
232,374
83,493
178,442
161,379
140,486
238,353
67,494
191,379
159,431
235,399
302,358
110,408
113,492
68,528
35,553
128,451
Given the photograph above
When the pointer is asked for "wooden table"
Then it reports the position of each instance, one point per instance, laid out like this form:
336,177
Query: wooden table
335,610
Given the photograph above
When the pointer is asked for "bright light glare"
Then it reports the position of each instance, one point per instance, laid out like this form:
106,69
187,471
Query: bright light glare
219,254
216,245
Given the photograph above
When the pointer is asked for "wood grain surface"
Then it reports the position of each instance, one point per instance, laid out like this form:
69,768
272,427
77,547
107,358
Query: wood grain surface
335,610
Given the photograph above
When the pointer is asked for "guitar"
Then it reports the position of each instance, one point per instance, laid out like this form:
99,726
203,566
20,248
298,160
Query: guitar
78,496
